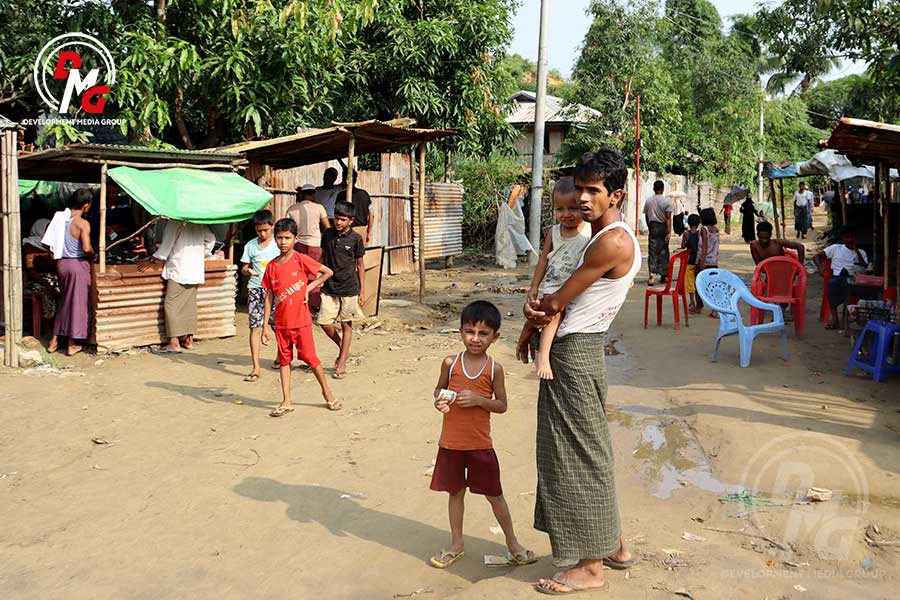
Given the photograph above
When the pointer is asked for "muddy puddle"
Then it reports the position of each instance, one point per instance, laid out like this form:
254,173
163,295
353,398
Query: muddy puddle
669,458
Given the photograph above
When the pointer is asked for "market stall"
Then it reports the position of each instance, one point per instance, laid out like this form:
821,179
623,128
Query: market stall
198,187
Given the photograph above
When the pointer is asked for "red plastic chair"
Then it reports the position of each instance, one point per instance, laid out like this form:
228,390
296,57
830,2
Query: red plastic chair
784,283
680,259
825,310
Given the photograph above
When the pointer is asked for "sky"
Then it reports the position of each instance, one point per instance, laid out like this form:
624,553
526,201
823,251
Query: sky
568,25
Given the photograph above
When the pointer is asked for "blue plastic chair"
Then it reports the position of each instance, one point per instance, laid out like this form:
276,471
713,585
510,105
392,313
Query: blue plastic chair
883,333
723,291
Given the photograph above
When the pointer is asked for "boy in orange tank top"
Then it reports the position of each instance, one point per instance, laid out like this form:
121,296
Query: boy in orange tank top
470,388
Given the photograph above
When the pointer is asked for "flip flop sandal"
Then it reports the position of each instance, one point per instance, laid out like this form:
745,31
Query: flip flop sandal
340,375
252,377
276,366
618,565
525,557
334,406
280,412
163,350
573,589
446,559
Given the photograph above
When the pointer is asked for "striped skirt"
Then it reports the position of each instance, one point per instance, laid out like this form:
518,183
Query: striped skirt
73,314
576,492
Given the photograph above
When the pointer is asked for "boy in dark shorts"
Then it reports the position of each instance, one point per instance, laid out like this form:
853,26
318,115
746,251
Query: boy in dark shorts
287,286
470,388
344,294
258,253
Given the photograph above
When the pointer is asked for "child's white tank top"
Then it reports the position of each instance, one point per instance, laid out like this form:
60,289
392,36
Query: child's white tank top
594,310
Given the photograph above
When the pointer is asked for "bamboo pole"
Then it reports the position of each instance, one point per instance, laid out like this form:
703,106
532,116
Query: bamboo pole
140,165
843,208
103,170
421,219
231,234
4,216
877,201
778,228
783,211
12,250
351,155
886,209
774,199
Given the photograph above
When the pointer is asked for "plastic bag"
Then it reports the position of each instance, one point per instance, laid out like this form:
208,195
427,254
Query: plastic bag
510,235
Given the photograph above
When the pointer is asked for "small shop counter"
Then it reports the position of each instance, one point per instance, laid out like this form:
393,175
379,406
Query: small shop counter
128,305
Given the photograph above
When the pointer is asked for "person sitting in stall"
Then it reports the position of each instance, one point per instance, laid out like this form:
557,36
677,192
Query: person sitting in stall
766,247
73,314
40,272
846,259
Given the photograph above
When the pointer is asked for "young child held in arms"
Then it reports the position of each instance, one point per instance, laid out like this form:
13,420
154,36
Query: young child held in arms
470,388
258,252
562,251
690,239
285,282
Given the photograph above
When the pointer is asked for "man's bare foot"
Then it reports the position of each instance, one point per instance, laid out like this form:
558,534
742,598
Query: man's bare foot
53,346
542,367
580,577
73,349
188,343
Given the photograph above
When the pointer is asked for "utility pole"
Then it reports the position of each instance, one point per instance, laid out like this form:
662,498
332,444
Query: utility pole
637,169
537,157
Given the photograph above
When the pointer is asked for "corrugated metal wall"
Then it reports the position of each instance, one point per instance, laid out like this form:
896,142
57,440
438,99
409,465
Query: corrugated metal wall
128,306
392,224
443,220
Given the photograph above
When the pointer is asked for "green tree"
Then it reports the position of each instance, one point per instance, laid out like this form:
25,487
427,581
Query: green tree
847,96
789,135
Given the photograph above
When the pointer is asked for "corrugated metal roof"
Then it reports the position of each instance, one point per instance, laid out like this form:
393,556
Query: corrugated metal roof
865,140
80,162
320,145
556,110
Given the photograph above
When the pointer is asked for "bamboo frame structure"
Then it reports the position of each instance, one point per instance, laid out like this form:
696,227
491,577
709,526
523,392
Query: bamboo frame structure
421,219
103,171
12,249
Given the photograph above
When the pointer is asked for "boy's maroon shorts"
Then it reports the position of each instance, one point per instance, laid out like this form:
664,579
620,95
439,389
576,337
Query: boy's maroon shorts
302,338
479,470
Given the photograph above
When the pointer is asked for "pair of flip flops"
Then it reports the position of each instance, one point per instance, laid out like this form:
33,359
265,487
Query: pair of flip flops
446,558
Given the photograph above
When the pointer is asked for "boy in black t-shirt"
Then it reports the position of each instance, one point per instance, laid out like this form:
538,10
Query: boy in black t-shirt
344,293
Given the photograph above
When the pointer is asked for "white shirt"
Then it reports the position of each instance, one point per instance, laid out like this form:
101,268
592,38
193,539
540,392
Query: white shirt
595,308
801,199
327,197
184,248
842,257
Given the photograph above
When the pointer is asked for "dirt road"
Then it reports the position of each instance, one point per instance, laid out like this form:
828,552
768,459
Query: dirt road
144,476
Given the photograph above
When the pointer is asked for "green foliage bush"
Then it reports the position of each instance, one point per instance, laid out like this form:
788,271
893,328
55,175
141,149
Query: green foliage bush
486,183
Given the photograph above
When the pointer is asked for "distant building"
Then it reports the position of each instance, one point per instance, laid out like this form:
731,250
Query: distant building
559,118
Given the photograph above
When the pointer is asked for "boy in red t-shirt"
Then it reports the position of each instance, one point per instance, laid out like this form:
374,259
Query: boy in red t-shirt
285,282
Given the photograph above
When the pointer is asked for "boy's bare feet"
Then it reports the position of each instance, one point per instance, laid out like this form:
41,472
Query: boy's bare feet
542,367
53,346
188,343
73,349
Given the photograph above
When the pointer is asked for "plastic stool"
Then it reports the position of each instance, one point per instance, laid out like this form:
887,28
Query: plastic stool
883,333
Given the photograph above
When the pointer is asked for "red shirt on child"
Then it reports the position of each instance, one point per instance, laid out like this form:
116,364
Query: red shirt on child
288,283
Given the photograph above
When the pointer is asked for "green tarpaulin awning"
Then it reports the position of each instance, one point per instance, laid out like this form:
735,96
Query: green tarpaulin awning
26,186
192,195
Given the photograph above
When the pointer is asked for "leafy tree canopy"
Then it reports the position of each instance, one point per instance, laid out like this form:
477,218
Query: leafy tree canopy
200,73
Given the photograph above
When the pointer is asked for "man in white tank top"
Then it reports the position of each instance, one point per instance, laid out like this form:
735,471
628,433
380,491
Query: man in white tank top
574,450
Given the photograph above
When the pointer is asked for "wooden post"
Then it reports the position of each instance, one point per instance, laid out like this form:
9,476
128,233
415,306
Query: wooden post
231,234
103,169
843,208
420,208
886,208
877,201
774,200
351,155
783,212
12,248
779,229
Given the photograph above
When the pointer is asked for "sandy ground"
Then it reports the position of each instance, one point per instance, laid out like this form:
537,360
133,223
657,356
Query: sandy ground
199,494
